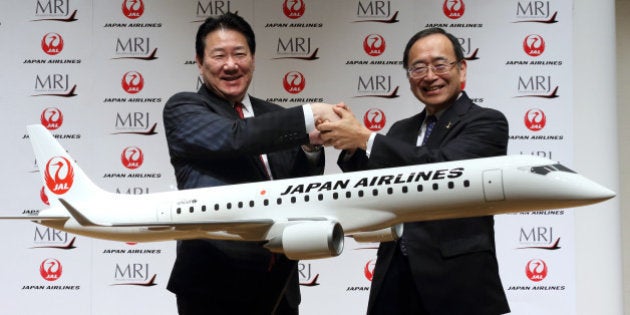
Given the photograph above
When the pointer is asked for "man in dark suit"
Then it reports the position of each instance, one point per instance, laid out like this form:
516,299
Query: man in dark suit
221,135
446,266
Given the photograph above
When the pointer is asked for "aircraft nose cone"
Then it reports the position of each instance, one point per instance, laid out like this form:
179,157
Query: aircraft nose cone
604,193
593,191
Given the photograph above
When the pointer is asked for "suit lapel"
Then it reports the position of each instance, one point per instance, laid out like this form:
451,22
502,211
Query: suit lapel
449,120
259,108
220,106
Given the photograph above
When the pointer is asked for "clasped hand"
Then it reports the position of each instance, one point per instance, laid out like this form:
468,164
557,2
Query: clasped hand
341,129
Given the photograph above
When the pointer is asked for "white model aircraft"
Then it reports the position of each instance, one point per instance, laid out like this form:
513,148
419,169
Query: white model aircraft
308,217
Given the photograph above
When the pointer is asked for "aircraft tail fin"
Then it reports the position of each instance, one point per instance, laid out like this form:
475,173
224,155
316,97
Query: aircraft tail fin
61,175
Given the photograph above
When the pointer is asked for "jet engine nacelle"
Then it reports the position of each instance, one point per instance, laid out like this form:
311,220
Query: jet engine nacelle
309,240
384,235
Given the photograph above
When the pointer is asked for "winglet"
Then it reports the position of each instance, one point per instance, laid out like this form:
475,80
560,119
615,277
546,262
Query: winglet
83,220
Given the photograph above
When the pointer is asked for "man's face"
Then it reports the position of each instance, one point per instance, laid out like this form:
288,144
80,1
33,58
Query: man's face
228,64
436,91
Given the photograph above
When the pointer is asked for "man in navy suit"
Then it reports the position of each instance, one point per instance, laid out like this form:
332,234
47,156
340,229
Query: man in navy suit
439,267
220,135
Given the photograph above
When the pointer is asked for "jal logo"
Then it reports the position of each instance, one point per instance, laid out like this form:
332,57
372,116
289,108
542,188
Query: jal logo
43,197
51,118
52,44
534,45
453,9
50,269
374,119
294,82
535,119
368,269
374,45
536,270
132,157
293,9
59,175
133,9
132,82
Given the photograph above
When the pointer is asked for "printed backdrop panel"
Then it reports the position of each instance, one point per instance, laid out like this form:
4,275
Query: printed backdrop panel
98,73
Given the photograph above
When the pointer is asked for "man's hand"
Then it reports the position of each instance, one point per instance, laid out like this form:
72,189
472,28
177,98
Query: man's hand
347,133
323,112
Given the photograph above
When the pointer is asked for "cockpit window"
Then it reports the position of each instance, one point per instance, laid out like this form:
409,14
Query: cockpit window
545,169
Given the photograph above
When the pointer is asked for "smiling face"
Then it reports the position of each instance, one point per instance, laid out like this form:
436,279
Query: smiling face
227,66
436,91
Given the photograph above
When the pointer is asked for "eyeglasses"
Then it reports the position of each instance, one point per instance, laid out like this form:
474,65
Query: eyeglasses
421,71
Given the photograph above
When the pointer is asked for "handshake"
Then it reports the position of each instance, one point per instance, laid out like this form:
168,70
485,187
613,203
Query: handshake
336,126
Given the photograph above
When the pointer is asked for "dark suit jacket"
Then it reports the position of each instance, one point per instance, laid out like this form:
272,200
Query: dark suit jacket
209,146
453,261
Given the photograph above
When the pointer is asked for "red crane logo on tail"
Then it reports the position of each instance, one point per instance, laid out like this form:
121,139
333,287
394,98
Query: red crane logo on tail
59,175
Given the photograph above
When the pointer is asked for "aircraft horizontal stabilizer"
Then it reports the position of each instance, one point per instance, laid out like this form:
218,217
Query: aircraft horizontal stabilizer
36,218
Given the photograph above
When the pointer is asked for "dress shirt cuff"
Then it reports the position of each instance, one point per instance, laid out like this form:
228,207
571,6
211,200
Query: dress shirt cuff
370,143
309,121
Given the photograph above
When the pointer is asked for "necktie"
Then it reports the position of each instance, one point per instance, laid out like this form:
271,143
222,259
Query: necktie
238,107
430,121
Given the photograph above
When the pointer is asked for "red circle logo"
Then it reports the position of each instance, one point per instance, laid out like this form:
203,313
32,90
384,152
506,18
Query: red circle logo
374,119
132,82
50,269
374,45
368,270
293,9
133,9
534,45
535,119
52,43
294,82
132,157
51,118
453,9
536,270
59,175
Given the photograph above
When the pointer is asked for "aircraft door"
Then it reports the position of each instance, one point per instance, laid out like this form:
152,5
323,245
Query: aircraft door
493,185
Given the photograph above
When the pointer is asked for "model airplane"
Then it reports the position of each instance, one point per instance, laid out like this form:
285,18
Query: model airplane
308,217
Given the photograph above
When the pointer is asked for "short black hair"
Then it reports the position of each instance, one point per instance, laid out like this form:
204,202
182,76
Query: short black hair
229,21
457,47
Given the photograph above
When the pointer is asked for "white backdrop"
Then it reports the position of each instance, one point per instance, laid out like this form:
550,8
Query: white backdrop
92,83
